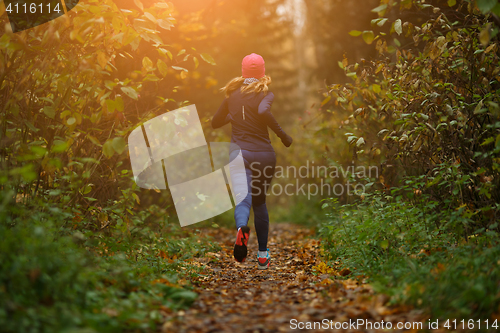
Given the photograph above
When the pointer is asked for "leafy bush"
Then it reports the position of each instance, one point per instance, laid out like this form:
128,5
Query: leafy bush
414,253
54,277
428,103
427,112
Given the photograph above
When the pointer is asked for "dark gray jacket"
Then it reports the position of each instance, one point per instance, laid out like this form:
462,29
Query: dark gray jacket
250,116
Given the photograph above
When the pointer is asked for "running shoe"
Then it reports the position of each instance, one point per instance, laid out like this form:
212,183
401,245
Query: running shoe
264,262
240,247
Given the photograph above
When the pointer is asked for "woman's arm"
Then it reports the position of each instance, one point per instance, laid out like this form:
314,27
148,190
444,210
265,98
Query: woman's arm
265,111
266,103
221,117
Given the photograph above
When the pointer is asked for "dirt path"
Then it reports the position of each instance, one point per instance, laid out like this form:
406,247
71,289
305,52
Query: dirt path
240,298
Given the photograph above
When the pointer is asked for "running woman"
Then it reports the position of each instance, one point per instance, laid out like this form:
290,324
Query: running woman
247,107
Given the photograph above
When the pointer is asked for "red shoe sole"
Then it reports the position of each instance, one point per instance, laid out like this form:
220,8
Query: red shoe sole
240,247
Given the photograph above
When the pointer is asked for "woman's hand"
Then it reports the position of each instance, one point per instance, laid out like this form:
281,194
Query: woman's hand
287,140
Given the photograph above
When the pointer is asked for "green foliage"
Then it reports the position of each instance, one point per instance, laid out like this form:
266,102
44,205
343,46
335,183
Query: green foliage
79,250
70,93
486,6
426,110
54,277
412,252
428,106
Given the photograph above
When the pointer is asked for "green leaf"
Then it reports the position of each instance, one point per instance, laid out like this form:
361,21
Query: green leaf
379,8
147,63
452,3
152,77
360,142
38,150
71,121
488,141
381,22
355,33
119,144
118,37
119,104
376,88
368,36
162,67
107,149
86,189
55,192
384,244
31,127
382,132
130,92
95,117
486,5
110,104
478,108
150,17
179,68
351,139
136,197
165,24
484,36
93,139
162,51
27,172
208,58
46,99
102,59
49,111
398,27
109,84
496,9
59,146
139,4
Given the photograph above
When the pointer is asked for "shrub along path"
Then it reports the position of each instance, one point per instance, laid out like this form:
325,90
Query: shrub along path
236,297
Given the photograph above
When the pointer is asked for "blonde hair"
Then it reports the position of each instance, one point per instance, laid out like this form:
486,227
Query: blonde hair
254,87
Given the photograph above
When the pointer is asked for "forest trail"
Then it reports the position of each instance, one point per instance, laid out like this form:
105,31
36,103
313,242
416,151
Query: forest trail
236,297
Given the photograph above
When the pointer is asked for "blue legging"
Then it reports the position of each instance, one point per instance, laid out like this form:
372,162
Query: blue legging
259,169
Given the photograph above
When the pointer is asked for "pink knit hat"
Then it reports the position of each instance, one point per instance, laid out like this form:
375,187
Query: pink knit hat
253,65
